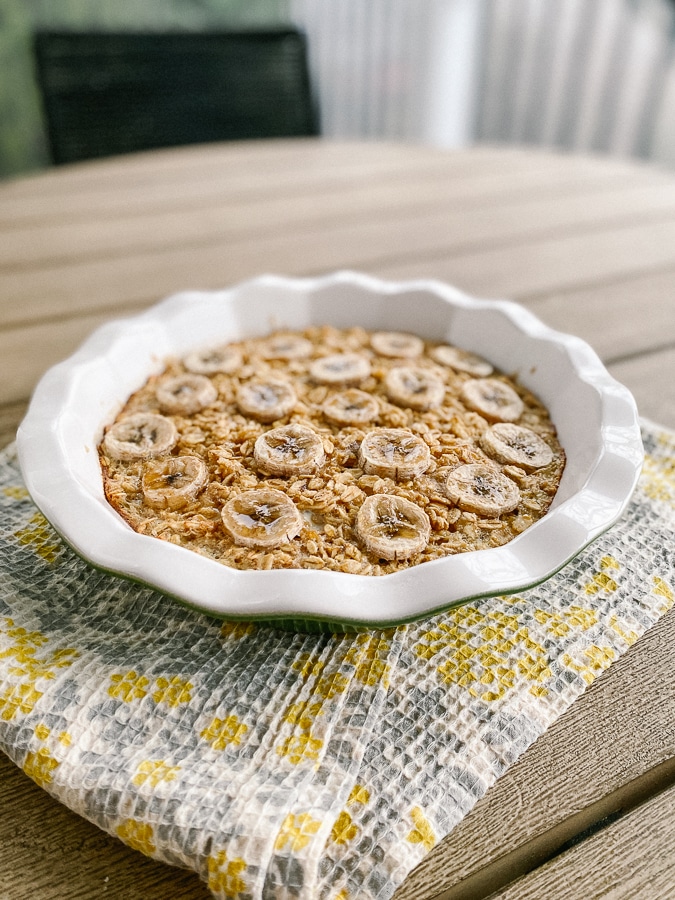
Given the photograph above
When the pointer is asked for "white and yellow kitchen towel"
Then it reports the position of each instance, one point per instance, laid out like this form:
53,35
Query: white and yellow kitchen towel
283,765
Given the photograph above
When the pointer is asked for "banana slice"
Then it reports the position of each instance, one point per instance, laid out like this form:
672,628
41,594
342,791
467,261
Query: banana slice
172,483
414,387
394,453
391,527
267,400
140,436
461,361
514,445
286,346
493,399
261,518
397,344
217,359
186,394
351,407
482,489
340,368
289,450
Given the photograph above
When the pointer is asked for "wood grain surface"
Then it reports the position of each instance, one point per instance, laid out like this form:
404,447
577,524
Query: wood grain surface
588,244
630,857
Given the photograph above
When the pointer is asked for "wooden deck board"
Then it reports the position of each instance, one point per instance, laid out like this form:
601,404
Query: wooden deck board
631,857
29,351
512,260
277,167
471,208
11,415
534,267
640,374
620,319
251,178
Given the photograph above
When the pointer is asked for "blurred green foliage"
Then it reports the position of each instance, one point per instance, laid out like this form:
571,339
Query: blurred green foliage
23,145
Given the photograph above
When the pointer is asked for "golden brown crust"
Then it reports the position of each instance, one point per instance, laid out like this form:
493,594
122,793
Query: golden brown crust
331,498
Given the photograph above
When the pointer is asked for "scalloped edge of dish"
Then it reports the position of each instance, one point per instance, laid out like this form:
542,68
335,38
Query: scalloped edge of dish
59,462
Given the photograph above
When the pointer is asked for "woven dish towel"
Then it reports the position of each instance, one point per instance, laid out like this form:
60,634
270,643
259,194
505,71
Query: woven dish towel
283,765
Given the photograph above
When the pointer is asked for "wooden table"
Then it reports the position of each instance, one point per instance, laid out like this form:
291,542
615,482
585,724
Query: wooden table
586,244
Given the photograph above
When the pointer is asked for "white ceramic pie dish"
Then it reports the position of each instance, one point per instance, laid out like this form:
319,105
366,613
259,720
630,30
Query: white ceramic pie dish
595,417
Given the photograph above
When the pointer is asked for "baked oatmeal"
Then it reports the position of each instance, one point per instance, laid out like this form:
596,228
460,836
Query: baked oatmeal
335,449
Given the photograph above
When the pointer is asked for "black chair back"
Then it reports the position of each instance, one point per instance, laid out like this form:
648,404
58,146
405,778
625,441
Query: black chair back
111,93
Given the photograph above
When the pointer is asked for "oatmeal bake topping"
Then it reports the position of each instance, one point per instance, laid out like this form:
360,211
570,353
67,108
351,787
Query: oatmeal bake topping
334,449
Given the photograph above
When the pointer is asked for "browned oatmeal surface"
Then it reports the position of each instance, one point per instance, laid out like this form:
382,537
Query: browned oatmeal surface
186,477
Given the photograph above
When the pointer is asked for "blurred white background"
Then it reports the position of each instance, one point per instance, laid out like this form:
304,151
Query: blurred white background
588,75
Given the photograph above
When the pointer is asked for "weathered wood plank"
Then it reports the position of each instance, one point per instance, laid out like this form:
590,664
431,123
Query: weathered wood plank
196,163
537,798
631,325
644,376
464,202
11,415
632,857
229,160
509,255
535,267
260,175
319,167
618,318
28,352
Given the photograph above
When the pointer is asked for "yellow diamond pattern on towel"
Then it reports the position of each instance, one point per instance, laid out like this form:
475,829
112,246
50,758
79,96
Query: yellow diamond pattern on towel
422,833
38,535
296,832
344,829
138,835
283,766
223,732
128,687
16,492
173,691
663,589
40,763
225,875
153,772
605,578
28,665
